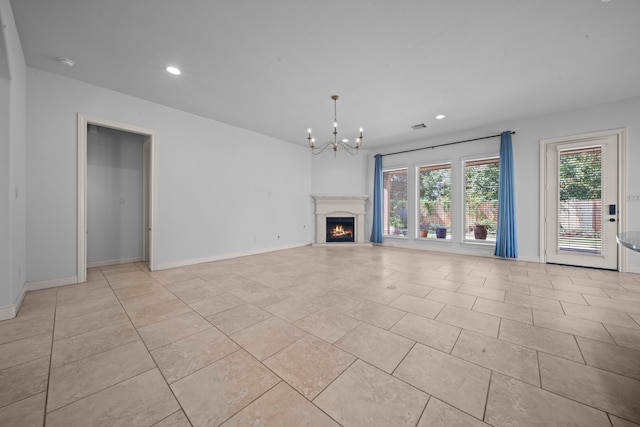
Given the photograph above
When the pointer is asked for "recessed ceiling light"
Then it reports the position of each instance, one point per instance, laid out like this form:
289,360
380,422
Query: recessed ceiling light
440,116
173,70
66,61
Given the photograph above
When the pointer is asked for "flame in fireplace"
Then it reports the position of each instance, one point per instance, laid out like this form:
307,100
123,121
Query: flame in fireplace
339,231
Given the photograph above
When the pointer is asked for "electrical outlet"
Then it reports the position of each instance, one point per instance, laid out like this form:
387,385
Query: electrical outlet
633,198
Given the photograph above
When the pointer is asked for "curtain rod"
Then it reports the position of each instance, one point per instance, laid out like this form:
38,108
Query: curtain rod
442,145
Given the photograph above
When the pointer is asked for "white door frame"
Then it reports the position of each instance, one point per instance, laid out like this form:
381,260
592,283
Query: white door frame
621,137
83,121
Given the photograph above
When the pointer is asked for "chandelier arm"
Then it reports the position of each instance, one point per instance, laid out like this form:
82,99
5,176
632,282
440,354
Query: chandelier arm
324,147
348,148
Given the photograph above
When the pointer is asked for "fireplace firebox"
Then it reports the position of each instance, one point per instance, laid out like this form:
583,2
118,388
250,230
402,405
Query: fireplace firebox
340,229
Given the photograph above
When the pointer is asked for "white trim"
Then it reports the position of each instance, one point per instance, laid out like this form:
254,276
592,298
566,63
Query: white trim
11,311
633,270
450,248
542,215
94,264
52,283
622,200
82,199
183,263
343,244
621,134
20,299
8,312
83,121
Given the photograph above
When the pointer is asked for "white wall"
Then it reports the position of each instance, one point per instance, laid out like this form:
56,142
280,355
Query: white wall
340,174
12,165
114,195
526,148
220,190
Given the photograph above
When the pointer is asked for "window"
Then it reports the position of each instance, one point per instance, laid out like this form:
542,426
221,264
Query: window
394,183
481,198
434,207
580,209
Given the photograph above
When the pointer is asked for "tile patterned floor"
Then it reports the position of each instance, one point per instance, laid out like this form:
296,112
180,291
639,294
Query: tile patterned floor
327,337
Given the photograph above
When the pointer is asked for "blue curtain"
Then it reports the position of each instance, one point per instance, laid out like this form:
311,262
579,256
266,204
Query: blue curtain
506,239
376,232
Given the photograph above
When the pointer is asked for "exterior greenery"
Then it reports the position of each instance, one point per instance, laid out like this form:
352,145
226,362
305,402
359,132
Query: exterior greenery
580,176
395,185
481,195
435,197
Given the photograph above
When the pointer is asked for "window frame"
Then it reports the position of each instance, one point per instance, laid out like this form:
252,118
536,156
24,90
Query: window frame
435,165
386,210
463,210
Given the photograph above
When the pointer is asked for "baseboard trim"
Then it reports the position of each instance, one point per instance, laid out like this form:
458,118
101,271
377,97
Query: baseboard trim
480,250
632,269
343,245
52,283
104,263
184,263
7,313
11,311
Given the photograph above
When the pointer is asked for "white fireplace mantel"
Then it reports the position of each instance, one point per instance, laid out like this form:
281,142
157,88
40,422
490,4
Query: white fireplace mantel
340,206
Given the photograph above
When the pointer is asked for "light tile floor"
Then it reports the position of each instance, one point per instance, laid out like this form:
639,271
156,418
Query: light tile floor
328,336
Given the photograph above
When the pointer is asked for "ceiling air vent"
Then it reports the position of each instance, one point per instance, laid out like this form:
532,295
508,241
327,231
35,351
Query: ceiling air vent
419,126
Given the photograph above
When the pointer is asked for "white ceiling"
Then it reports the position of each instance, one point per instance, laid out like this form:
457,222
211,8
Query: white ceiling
271,66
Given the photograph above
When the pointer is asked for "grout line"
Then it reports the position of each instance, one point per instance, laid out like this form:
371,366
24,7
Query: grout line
53,331
486,399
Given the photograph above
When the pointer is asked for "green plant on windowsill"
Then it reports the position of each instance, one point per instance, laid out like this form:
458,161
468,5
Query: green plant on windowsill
395,221
395,224
482,227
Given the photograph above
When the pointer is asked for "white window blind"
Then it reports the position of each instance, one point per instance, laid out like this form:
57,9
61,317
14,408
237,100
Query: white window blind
580,200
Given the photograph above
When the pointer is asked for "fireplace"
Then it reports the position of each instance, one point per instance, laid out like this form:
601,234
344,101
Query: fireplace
340,220
340,229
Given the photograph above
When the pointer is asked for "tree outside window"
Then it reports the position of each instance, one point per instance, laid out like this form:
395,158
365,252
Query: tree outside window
434,210
395,202
481,198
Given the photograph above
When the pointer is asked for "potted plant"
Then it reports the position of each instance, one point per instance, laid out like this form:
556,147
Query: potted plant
424,229
481,228
395,223
441,232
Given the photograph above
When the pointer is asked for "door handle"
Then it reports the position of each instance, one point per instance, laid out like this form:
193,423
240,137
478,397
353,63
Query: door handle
612,220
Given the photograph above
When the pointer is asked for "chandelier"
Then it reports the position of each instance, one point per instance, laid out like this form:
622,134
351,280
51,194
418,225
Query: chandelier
344,143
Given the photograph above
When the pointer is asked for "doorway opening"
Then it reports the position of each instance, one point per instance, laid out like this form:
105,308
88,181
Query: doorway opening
582,199
145,209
